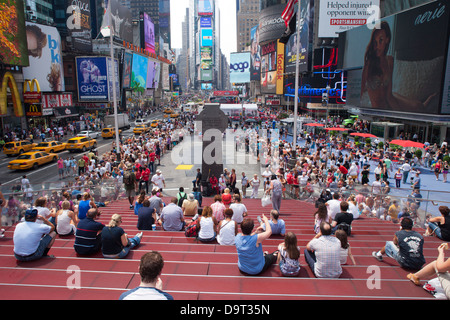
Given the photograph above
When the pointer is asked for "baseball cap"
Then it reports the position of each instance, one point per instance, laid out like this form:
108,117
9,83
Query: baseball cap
31,213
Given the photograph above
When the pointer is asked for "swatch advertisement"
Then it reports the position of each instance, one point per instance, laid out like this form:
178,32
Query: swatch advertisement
45,56
401,62
92,77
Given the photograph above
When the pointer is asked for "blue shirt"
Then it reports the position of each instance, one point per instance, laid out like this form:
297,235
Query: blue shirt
277,228
250,257
83,207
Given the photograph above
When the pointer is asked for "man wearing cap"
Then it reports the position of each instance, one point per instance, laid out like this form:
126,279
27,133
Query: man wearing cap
158,180
33,240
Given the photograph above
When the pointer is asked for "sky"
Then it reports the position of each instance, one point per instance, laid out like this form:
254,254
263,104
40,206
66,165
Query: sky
228,28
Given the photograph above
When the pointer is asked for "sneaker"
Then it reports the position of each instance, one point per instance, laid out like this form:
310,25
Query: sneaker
376,256
139,235
131,207
2,233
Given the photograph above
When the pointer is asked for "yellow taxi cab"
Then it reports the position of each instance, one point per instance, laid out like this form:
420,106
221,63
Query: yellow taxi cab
154,123
168,110
32,159
50,147
14,148
174,115
81,144
141,128
109,133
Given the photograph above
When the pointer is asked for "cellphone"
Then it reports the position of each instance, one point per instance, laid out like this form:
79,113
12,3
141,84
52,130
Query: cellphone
259,219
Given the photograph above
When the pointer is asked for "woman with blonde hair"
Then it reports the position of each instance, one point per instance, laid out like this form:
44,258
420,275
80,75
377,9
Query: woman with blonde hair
207,226
115,242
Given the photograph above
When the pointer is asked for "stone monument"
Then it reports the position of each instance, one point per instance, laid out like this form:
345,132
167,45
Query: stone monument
212,122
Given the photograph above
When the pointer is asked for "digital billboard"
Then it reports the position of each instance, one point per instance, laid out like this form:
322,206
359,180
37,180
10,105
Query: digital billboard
205,7
13,41
269,66
205,22
147,32
255,54
206,37
121,20
139,71
398,65
45,57
240,67
127,62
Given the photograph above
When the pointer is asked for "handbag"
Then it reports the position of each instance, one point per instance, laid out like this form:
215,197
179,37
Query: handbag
266,200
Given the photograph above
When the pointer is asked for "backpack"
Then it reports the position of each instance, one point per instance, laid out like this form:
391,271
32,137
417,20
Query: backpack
182,198
191,229
127,178
345,226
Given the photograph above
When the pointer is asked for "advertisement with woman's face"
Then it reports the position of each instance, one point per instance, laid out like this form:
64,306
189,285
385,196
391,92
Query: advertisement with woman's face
402,60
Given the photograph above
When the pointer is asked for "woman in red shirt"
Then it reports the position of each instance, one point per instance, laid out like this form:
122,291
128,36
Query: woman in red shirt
226,197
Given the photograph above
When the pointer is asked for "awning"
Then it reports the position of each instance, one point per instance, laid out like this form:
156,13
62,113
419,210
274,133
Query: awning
65,112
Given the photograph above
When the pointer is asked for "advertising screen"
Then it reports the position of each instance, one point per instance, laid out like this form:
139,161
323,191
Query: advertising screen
205,22
13,44
255,54
45,57
268,66
92,77
206,37
401,60
139,71
147,33
127,62
305,49
205,7
240,67
338,16
121,21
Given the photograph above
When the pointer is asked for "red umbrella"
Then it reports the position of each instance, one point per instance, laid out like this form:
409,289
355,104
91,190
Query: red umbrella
314,125
407,143
336,129
364,135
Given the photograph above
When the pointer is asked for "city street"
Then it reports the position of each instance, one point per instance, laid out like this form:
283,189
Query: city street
49,173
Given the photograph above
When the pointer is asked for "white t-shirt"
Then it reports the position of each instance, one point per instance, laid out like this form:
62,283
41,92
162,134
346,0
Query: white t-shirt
238,211
334,207
157,180
43,211
27,237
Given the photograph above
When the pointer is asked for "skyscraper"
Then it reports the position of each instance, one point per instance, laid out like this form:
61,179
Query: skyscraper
247,17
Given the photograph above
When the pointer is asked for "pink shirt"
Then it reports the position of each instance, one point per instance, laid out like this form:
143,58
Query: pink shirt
218,209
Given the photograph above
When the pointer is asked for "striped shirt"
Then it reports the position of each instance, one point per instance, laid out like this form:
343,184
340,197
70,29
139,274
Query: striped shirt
86,234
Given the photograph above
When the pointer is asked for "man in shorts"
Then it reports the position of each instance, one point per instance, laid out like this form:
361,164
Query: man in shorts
129,181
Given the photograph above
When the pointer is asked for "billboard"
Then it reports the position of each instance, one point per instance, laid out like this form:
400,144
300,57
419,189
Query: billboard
338,16
269,66
271,25
139,71
45,57
280,67
205,22
206,58
206,37
92,78
13,44
121,20
147,32
205,7
240,67
127,63
306,37
255,55
79,24
398,65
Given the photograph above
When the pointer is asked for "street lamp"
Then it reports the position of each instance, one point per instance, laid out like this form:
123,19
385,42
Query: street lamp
109,32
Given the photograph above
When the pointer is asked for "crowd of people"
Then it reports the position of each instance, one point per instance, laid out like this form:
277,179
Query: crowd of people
322,170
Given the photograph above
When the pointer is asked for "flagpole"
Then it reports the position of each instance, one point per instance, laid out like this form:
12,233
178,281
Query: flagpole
297,71
113,67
